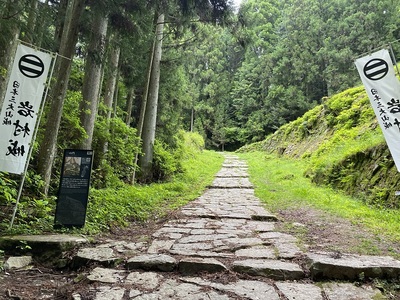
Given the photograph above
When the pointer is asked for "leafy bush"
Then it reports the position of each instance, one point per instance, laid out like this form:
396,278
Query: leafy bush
165,164
34,213
8,188
71,132
8,193
115,145
167,161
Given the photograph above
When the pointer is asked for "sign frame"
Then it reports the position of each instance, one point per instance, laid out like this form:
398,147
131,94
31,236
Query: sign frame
73,192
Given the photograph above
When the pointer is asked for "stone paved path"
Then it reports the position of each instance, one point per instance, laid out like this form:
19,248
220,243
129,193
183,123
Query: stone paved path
224,246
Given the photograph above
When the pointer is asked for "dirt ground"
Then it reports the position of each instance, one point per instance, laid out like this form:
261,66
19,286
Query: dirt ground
321,231
316,230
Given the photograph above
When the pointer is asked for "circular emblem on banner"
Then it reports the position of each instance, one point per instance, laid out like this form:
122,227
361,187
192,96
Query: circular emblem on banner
376,69
31,66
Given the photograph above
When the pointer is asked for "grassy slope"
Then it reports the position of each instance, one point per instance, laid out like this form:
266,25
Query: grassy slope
343,147
339,146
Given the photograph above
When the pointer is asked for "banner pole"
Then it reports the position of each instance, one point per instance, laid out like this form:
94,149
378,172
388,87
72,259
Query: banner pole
393,57
23,176
21,185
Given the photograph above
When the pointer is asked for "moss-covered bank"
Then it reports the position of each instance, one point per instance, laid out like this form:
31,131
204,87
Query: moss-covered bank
343,146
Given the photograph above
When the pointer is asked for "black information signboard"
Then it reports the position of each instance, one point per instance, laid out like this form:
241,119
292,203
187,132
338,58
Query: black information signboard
74,188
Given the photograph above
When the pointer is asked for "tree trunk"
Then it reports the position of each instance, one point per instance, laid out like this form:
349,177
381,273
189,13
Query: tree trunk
92,79
150,116
116,93
192,120
60,22
143,107
68,41
111,88
32,19
129,105
112,81
6,60
40,27
7,50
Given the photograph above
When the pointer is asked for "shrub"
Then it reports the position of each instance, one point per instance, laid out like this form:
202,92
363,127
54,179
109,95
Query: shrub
116,164
167,161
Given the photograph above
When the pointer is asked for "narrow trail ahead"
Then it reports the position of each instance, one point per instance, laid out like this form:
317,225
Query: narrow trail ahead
223,245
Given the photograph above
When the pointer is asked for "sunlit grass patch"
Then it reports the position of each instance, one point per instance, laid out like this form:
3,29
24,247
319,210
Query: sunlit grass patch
138,203
280,184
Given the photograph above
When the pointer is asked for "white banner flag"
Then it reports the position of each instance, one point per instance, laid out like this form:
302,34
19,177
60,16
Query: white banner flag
21,107
383,89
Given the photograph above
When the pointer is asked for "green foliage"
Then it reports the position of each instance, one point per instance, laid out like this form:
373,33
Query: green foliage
3,72
285,57
167,161
33,216
188,167
193,143
117,207
343,147
8,194
165,164
33,209
8,189
71,131
117,164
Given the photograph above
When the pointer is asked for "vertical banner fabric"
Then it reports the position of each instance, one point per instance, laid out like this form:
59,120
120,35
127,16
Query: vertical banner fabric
21,106
383,89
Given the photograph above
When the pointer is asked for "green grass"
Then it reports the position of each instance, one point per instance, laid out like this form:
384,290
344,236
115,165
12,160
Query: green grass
280,184
139,203
109,208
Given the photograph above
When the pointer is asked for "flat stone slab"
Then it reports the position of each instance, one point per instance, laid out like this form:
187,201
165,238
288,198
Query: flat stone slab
17,262
145,280
159,262
282,237
348,291
249,289
287,250
200,253
259,227
352,267
192,247
264,216
105,275
160,245
172,289
61,242
233,244
257,252
300,291
101,255
110,293
274,269
232,172
194,265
